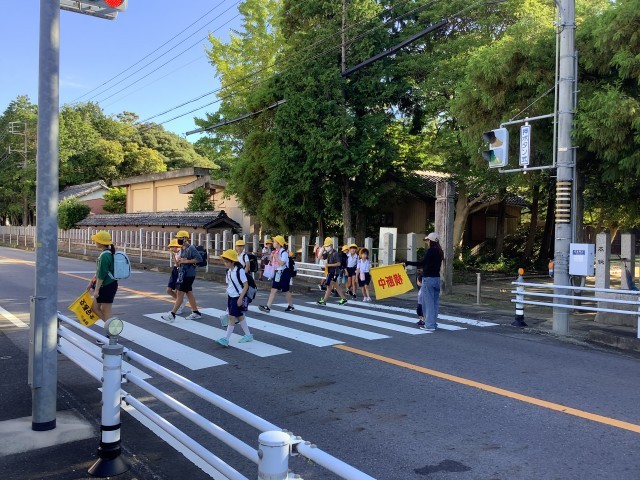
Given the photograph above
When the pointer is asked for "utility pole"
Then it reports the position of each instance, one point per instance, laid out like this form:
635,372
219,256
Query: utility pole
566,167
43,357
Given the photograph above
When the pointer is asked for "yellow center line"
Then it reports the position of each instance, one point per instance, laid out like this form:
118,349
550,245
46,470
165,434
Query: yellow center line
120,287
498,391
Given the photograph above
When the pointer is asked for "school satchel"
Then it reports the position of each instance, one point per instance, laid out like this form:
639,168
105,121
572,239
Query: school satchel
203,255
252,290
121,265
253,263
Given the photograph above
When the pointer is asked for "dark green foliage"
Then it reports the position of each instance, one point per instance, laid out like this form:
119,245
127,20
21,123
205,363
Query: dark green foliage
70,212
116,200
200,201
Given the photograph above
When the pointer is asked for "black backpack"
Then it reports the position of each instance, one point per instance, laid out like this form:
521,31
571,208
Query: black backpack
253,262
292,267
203,254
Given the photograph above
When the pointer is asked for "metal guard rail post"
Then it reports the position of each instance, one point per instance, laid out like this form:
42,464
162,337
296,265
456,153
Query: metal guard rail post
276,445
520,292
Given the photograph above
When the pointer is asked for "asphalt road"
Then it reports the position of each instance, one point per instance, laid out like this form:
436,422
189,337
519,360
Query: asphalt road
467,402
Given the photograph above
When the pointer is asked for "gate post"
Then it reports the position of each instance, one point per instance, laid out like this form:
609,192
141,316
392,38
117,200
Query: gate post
273,455
519,321
110,461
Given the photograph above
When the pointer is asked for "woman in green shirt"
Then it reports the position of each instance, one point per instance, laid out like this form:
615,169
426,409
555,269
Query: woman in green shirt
105,287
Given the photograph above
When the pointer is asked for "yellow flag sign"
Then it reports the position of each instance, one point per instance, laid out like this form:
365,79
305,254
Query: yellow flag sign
82,308
390,281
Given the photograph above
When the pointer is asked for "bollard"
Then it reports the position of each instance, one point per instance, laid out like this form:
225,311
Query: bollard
110,461
273,455
519,321
478,279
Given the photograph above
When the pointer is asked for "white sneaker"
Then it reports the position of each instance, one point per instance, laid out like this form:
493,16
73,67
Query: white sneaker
194,316
168,317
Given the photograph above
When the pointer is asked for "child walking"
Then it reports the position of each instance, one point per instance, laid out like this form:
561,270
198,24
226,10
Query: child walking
172,286
237,286
364,277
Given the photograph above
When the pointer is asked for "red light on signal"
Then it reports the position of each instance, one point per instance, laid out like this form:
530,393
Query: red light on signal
114,3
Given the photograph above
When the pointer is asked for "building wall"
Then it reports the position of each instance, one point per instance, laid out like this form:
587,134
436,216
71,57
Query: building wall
158,196
96,205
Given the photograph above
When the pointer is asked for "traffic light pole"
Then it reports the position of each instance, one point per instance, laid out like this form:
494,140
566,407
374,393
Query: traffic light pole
43,367
565,163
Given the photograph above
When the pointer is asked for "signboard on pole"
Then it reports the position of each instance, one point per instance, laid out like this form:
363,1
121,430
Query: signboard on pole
525,145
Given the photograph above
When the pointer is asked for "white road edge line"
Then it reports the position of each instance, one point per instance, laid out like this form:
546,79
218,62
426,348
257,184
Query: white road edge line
13,319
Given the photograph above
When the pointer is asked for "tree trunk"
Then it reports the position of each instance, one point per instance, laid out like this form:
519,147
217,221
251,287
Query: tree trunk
321,228
345,191
533,224
500,229
460,220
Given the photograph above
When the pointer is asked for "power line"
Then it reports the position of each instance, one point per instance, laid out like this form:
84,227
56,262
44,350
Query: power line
321,40
164,64
151,53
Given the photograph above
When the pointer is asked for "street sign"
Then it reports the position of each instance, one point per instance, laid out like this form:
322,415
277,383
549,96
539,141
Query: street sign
525,145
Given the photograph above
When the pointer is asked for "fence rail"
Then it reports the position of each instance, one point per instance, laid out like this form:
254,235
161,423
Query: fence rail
561,300
272,460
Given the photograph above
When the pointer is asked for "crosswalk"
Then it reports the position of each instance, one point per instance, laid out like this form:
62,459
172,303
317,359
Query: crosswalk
310,324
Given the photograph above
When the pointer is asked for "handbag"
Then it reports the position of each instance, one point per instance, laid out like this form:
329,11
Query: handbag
269,271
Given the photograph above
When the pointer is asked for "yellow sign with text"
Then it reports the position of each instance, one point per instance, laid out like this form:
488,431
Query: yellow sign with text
390,281
82,308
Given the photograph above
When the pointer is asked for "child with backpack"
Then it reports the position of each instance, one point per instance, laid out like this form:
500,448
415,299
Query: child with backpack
237,287
172,286
106,286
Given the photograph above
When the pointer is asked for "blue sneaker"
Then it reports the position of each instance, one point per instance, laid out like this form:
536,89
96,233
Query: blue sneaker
224,320
245,339
223,341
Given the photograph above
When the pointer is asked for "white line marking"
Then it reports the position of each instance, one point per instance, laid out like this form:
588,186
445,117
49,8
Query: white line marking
255,347
91,272
187,356
468,321
13,319
354,332
392,316
275,329
352,318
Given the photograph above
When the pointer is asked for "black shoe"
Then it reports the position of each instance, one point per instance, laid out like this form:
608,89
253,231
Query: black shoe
335,293
264,308
289,308
420,324
322,288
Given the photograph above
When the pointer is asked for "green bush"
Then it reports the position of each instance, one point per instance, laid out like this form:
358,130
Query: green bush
116,200
70,212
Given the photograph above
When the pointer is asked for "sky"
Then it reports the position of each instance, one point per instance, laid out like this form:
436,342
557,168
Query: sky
94,50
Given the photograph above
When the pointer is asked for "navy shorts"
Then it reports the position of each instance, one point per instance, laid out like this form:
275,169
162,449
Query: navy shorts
107,293
332,277
284,283
173,279
187,284
234,309
366,281
351,271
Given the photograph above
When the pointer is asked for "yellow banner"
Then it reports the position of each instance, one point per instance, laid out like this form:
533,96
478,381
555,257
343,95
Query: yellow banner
82,308
390,281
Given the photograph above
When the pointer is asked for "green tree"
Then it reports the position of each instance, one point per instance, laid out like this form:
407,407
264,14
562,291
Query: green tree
200,201
116,200
70,212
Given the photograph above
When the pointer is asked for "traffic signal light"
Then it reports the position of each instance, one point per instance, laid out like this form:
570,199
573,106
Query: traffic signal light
498,153
120,5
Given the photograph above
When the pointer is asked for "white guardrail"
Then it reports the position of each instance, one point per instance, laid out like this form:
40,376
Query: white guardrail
611,296
276,445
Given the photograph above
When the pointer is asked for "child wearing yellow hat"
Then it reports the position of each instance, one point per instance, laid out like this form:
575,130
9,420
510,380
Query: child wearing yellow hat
282,277
105,286
237,286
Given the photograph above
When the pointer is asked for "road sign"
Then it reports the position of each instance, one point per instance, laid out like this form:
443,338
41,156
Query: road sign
525,145
107,9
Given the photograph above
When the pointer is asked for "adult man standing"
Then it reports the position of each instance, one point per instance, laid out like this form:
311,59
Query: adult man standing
189,257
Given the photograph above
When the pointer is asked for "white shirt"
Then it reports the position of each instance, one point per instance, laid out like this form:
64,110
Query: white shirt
352,260
364,266
233,288
284,257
